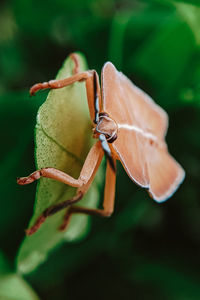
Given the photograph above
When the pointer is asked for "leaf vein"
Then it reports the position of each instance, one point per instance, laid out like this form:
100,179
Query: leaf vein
60,146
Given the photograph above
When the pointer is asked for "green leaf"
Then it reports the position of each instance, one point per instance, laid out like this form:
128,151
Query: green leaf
164,56
191,14
13,286
193,2
63,137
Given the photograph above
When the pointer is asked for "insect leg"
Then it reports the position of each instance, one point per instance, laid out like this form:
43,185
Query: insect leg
92,158
84,181
92,86
75,59
57,84
108,203
51,211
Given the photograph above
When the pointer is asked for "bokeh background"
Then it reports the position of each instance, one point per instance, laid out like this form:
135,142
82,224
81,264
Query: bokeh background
145,250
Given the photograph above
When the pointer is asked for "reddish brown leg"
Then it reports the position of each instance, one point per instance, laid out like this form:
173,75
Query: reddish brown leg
52,83
74,57
91,80
95,154
108,203
86,177
57,84
51,211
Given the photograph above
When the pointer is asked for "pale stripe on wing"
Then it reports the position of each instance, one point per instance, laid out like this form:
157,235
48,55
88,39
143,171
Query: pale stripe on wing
139,130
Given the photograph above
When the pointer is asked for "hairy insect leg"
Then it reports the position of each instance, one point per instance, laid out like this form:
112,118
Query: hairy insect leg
108,203
86,177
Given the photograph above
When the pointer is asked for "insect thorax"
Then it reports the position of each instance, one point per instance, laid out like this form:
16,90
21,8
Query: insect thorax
106,126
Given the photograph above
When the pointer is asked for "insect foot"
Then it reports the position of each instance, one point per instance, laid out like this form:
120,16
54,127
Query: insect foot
29,179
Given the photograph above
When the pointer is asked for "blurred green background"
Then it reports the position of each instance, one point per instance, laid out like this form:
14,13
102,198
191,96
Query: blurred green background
145,250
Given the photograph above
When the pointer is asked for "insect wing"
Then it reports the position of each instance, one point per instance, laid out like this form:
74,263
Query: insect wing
118,102
165,173
142,126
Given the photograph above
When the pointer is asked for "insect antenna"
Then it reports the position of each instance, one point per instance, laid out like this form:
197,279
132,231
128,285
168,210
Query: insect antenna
107,151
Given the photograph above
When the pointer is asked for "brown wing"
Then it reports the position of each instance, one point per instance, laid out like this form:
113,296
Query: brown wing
164,172
141,123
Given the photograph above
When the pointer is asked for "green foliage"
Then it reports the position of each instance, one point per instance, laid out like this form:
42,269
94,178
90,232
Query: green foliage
145,250
62,140
12,286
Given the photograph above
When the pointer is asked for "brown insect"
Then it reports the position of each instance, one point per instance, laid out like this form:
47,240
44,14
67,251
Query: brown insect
129,126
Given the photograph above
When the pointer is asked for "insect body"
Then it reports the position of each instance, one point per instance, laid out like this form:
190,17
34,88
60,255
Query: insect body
129,127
